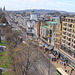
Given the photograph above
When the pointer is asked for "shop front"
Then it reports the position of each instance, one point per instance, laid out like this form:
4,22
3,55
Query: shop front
67,58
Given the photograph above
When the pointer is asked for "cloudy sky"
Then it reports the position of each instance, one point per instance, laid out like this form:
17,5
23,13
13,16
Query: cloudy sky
65,5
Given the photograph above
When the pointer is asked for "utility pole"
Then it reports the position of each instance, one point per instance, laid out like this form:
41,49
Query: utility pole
49,58
49,67
0,36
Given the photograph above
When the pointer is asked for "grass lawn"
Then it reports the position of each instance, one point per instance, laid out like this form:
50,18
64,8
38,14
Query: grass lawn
5,73
8,73
3,43
4,60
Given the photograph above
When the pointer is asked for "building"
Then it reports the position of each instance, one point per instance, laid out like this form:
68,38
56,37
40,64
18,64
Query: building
0,10
47,32
34,16
65,39
4,8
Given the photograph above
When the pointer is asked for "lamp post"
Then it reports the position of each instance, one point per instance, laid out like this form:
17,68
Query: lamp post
49,68
49,58
0,36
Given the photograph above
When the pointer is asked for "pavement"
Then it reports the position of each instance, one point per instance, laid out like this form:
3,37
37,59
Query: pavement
58,64
62,66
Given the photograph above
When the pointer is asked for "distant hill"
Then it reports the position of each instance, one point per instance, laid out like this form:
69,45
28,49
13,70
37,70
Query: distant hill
42,11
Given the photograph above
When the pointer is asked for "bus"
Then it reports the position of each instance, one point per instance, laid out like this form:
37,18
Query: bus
60,71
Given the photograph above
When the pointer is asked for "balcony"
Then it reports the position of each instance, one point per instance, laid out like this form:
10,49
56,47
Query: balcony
74,44
64,34
74,49
69,37
63,43
64,30
64,38
69,32
64,26
68,46
67,50
68,41
70,27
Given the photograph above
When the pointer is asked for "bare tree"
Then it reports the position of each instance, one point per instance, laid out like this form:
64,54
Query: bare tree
0,36
25,57
3,19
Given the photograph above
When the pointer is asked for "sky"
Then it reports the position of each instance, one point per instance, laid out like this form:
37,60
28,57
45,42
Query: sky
64,5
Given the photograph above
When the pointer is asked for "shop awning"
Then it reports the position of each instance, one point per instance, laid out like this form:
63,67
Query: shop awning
49,47
40,45
41,41
46,45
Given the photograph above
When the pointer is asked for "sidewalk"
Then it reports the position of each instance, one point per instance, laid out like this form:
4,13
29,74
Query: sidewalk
58,64
62,66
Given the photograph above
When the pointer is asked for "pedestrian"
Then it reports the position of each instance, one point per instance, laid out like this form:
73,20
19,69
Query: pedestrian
57,62
71,71
60,63
65,67
68,71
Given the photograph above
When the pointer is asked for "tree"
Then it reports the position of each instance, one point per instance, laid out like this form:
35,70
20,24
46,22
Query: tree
3,19
24,58
0,36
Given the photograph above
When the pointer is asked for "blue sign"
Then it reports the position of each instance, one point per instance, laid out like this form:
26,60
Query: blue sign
46,45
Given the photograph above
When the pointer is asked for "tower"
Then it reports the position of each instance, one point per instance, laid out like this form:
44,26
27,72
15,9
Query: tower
4,8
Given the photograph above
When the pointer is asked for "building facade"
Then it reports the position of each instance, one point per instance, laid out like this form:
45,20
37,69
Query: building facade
68,36
65,38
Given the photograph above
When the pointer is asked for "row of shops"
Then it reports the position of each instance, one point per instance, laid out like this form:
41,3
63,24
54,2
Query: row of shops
58,53
45,45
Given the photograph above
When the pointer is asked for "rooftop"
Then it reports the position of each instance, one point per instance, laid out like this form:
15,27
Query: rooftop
70,18
51,22
35,13
46,27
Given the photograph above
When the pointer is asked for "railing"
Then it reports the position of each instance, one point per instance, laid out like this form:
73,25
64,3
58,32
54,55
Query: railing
67,50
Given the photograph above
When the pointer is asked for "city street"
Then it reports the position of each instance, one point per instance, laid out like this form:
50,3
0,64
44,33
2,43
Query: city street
42,66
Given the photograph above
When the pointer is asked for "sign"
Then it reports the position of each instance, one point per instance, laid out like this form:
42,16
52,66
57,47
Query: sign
47,36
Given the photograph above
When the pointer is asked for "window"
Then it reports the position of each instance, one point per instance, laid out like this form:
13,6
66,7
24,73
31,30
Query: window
72,40
71,20
65,24
70,25
69,44
69,39
73,26
64,37
74,47
73,31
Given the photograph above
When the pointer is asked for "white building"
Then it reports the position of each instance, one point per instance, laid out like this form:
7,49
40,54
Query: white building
34,16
